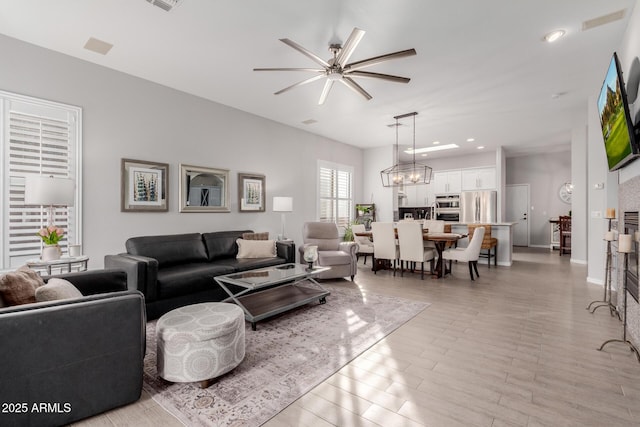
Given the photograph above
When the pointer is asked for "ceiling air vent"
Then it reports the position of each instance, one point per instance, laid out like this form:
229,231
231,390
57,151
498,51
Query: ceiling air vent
165,4
602,20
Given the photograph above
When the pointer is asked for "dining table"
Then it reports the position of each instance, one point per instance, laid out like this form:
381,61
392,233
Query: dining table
440,240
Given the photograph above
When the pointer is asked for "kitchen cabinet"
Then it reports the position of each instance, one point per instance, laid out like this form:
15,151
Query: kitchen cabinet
419,195
479,179
446,182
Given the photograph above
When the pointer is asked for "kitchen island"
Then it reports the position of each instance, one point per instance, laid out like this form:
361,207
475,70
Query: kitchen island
503,231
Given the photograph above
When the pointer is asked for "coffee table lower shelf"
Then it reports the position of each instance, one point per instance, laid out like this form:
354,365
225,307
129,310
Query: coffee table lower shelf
261,305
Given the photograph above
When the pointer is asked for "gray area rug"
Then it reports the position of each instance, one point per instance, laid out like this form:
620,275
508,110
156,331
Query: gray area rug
285,358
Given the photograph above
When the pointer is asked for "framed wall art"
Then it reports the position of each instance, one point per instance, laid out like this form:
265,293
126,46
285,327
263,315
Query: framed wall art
204,189
144,186
251,192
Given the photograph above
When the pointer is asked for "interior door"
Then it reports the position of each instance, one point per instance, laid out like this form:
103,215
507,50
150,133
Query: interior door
517,211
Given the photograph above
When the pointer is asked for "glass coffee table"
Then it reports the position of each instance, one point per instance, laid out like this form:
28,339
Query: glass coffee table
274,290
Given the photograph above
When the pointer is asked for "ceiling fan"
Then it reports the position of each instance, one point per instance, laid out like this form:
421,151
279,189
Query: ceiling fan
337,68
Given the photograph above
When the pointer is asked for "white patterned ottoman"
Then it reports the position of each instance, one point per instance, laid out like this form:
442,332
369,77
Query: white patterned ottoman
200,342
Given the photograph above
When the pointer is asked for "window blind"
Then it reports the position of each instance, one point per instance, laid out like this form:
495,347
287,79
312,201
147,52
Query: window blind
335,194
37,138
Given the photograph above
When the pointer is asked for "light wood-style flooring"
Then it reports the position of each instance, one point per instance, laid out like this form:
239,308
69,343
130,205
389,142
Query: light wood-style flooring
514,348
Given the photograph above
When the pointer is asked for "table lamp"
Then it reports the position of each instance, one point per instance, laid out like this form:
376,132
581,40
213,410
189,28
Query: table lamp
50,192
282,204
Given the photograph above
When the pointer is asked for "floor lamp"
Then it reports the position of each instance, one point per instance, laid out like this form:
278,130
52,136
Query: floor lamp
282,204
606,299
625,246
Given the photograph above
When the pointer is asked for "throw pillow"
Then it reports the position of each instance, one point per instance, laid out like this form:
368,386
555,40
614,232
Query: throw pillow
57,289
19,287
256,236
256,248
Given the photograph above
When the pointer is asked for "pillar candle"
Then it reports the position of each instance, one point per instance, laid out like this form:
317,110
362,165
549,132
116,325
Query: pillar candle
610,214
609,236
624,243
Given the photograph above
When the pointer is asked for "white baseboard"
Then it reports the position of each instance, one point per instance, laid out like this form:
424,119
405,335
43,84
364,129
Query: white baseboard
593,281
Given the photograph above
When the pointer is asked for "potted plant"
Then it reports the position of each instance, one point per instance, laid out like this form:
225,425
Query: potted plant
51,236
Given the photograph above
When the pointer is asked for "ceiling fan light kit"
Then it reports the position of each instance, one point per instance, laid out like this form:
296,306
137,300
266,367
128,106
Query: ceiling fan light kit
402,174
337,68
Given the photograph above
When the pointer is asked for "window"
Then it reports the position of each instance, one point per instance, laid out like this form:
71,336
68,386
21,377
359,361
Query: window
335,190
37,138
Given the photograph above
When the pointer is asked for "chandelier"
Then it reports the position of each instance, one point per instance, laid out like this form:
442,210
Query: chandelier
402,174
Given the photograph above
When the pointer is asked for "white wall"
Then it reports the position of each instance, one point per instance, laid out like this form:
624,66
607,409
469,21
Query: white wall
127,117
375,160
544,173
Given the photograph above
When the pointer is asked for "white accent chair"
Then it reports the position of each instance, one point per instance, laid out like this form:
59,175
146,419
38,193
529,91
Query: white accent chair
384,244
470,254
412,249
365,245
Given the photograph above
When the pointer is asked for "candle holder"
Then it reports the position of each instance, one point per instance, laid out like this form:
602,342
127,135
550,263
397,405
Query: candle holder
606,299
624,249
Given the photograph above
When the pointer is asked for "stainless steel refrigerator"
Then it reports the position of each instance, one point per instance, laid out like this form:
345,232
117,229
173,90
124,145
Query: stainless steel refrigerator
478,207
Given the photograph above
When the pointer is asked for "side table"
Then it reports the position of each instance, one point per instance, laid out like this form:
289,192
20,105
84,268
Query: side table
77,263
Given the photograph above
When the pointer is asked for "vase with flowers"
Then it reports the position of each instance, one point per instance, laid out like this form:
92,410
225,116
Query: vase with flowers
51,236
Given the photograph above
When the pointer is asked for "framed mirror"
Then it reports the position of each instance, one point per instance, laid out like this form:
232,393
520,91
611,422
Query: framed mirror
204,189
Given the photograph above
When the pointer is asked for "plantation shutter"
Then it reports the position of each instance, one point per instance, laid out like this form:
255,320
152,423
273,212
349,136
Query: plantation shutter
38,138
335,184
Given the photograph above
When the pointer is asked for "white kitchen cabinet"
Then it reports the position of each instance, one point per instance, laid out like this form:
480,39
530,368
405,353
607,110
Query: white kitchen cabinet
479,179
446,182
418,195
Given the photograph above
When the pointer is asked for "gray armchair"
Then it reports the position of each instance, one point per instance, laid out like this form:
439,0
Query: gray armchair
340,256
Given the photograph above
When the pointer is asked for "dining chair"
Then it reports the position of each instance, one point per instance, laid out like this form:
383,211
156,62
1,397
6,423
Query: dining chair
470,254
565,234
384,244
412,248
365,245
488,243
433,226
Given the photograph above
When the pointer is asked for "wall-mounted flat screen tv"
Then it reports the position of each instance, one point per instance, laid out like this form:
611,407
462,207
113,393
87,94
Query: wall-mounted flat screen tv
620,143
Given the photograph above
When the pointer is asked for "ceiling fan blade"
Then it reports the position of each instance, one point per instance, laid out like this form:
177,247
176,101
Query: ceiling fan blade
317,70
304,82
355,87
378,59
325,91
306,52
369,75
350,45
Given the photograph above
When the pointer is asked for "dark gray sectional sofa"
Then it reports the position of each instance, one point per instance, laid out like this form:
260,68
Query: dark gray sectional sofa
176,270
70,359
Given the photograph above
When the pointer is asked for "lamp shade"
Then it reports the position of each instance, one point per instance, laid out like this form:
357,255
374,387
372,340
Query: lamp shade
48,191
282,204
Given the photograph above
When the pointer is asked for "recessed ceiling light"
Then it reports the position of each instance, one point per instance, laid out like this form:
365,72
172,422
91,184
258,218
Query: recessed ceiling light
429,149
554,35
470,139
480,147
436,142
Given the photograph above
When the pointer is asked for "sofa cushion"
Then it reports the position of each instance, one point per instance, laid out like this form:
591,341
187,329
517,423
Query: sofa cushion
256,236
19,287
244,264
222,244
57,289
256,248
169,250
186,279
329,258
